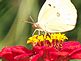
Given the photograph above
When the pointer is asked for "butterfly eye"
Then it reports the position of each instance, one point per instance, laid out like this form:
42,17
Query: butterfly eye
49,5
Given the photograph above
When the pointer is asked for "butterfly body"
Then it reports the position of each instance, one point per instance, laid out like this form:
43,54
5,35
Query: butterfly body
57,16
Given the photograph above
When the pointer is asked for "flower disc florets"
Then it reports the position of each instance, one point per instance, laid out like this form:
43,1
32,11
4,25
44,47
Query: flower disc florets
55,40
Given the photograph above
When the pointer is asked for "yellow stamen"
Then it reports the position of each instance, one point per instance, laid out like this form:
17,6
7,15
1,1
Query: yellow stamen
42,38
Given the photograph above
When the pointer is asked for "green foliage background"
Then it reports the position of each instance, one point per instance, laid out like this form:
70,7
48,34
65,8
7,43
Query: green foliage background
13,29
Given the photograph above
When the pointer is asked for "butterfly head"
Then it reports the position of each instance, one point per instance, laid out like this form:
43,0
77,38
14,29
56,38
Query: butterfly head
36,26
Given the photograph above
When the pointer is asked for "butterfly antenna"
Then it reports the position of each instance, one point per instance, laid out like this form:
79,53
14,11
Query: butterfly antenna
28,22
32,19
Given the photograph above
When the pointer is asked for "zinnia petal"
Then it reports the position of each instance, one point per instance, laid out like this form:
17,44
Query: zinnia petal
10,53
37,57
70,46
76,54
23,57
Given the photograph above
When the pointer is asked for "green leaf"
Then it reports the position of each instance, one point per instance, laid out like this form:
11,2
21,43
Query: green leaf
75,60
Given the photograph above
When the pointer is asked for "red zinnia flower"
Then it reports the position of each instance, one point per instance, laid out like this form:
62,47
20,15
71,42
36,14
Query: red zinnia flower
45,48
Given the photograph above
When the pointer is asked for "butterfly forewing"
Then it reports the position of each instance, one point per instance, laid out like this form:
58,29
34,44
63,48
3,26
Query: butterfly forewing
57,16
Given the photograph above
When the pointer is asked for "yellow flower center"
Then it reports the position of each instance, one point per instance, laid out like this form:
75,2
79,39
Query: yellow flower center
55,40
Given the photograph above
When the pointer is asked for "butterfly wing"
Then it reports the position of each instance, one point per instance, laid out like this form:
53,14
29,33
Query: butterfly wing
58,27
65,21
68,11
57,16
45,14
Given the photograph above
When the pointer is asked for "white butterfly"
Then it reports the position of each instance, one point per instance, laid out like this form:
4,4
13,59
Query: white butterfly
57,16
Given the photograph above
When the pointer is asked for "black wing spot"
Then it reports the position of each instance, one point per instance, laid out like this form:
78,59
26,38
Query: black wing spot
53,6
49,5
58,14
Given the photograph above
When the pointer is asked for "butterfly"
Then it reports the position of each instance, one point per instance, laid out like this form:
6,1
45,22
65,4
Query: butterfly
56,16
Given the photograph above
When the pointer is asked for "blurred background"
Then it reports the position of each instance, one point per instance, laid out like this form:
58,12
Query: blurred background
13,13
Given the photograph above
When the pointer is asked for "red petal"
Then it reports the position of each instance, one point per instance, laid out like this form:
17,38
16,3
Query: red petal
10,52
23,57
37,56
53,56
70,46
76,54
50,49
46,59
36,49
7,56
18,50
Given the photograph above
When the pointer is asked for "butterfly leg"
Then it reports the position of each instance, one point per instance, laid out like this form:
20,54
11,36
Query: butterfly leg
45,32
38,32
34,32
